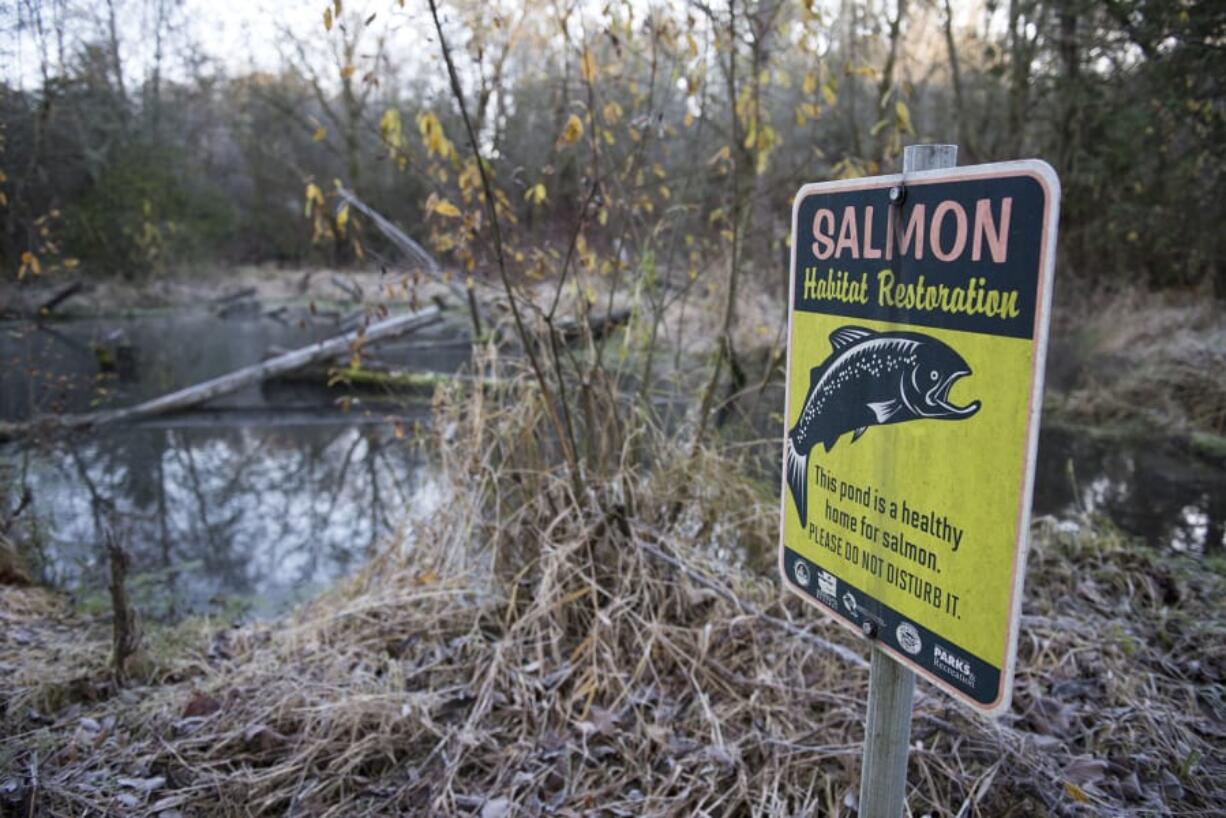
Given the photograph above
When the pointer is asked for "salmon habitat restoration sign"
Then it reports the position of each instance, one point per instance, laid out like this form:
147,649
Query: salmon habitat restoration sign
917,338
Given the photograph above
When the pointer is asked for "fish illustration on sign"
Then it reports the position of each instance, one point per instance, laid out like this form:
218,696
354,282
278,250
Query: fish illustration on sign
871,379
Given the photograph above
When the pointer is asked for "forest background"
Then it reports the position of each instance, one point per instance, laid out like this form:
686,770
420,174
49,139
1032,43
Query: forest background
141,138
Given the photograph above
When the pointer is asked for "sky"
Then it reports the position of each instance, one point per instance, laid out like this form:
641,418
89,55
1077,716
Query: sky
240,35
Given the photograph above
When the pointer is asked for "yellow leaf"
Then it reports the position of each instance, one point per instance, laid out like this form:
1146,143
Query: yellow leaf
903,116
688,120
665,193
29,264
446,208
723,154
470,177
321,133
587,66
536,194
810,83
342,217
71,263
327,19
828,94
573,131
313,196
347,71
1076,793
432,135
392,131
336,4
612,112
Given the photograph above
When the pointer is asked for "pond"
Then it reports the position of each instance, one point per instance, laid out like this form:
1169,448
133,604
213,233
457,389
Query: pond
1155,490
267,496
259,500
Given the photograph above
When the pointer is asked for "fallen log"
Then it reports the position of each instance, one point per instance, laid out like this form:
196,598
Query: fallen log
237,295
600,325
184,398
62,295
361,377
18,310
350,288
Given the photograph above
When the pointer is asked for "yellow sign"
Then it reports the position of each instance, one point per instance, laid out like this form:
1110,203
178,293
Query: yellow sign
917,338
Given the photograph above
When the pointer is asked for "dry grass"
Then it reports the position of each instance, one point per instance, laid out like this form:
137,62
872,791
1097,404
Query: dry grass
1158,358
528,652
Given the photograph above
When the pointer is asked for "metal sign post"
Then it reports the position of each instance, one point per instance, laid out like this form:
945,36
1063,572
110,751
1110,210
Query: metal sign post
891,687
917,337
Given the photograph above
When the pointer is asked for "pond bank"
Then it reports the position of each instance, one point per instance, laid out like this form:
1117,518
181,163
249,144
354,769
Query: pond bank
413,689
234,509
1154,361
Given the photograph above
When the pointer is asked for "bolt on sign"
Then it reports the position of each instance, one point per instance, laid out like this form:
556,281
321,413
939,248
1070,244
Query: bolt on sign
916,344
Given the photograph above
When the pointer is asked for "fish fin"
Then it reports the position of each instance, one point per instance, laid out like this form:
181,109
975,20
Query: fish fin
797,474
859,432
829,444
884,410
844,337
815,375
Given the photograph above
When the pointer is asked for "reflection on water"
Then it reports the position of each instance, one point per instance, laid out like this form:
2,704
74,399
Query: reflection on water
260,514
266,496
75,366
261,497
1151,489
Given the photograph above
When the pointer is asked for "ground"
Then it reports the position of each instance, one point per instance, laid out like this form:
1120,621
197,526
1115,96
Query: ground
581,664
548,645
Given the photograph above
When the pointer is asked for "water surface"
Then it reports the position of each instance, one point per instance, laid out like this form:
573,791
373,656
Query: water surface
260,499
267,496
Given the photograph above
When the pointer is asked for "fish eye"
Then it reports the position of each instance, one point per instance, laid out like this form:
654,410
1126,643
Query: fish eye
933,374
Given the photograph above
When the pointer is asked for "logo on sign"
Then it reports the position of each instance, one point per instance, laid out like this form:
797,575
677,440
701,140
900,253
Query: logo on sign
801,572
849,602
952,665
827,584
908,638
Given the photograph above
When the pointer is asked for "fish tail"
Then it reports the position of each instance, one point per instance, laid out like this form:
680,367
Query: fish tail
797,473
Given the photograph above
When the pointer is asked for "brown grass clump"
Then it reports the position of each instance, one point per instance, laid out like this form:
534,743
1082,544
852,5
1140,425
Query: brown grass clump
1157,358
529,652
